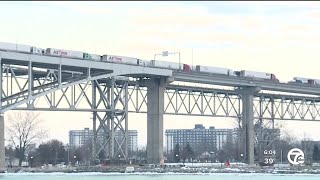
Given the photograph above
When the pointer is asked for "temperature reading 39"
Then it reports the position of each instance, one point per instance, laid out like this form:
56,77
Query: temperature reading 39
269,161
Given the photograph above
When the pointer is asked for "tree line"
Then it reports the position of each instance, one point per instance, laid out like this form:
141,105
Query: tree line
24,130
51,152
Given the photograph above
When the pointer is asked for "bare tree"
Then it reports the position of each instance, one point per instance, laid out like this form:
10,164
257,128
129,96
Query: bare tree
24,129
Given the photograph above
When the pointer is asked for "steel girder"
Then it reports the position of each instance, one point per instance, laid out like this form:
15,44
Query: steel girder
193,101
227,103
19,87
111,132
179,100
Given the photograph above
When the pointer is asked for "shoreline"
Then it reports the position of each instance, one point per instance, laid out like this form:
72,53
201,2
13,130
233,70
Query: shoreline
152,174
105,170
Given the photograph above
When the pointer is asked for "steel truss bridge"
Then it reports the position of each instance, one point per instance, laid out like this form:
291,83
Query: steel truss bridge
111,91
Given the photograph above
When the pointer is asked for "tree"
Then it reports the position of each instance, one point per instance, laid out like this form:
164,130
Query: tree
176,153
187,153
24,129
316,153
51,152
43,152
10,153
230,150
142,155
83,154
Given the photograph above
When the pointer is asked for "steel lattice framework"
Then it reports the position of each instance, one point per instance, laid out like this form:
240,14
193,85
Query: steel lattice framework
34,82
179,101
113,97
110,100
187,101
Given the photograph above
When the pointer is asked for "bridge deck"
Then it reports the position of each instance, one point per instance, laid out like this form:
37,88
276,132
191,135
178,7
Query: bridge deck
249,82
80,65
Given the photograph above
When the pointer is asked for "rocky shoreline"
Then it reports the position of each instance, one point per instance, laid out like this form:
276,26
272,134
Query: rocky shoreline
171,170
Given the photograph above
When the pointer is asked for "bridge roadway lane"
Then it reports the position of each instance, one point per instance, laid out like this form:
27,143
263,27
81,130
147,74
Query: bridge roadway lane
213,79
132,70
52,62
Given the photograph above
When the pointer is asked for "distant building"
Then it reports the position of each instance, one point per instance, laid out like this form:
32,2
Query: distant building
79,138
199,138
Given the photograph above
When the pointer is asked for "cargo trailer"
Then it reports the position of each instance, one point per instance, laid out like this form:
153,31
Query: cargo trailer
260,75
64,53
165,64
15,47
214,70
120,59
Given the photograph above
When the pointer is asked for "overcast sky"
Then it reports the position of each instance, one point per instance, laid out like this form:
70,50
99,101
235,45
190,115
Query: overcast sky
277,37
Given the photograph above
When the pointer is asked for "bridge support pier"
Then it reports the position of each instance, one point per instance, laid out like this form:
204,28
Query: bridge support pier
2,152
155,107
248,123
110,128
2,145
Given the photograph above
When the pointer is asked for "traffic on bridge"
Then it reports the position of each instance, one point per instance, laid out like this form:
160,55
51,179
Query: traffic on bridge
270,77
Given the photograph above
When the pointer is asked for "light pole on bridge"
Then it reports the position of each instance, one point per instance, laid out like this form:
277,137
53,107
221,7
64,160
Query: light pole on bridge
166,53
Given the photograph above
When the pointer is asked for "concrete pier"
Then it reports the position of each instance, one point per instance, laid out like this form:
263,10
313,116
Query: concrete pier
2,152
247,123
155,103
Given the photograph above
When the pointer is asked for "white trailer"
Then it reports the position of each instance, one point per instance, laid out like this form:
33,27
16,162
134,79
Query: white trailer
215,70
301,79
89,56
165,64
15,47
120,59
254,74
64,53
317,81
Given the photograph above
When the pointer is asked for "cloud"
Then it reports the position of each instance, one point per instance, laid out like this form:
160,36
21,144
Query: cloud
209,28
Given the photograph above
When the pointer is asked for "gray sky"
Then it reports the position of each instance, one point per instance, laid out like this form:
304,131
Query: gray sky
276,37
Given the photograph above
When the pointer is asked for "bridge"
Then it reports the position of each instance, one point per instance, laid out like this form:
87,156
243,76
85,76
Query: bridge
110,91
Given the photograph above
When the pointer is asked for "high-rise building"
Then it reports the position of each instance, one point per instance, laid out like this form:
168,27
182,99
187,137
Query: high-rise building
79,138
199,138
